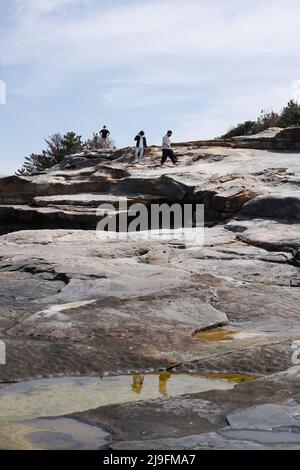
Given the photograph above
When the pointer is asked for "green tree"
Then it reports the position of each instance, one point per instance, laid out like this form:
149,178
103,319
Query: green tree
35,163
58,147
267,119
55,147
72,143
245,128
290,115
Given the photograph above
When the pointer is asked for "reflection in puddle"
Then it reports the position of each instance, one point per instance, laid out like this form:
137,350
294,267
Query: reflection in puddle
23,405
226,334
64,395
234,378
164,378
137,383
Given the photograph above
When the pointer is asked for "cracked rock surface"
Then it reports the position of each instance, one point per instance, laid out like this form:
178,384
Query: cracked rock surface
77,303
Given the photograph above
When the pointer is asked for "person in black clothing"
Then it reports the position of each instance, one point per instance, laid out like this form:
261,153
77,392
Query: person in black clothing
104,133
141,144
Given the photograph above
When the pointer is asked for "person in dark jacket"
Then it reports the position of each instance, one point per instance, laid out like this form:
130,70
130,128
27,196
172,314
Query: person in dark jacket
141,145
104,133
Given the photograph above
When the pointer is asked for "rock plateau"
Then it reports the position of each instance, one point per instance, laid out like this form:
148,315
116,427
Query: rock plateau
77,303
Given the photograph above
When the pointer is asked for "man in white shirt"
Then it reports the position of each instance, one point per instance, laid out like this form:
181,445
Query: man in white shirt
141,144
167,149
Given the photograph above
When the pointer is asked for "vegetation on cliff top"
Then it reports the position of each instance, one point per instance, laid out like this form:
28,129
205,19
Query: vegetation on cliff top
58,147
289,116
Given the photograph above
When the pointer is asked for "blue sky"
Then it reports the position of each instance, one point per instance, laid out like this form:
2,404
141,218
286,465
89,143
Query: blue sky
196,66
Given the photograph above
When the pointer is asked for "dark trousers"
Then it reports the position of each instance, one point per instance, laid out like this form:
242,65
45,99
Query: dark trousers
168,153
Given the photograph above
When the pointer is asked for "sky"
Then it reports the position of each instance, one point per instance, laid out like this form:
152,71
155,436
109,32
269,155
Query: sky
194,66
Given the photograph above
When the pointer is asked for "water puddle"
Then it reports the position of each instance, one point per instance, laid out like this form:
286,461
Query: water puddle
28,408
65,395
51,434
263,436
226,334
216,334
234,378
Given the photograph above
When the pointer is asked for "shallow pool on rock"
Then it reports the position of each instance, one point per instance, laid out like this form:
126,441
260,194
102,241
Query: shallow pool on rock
51,434
24,406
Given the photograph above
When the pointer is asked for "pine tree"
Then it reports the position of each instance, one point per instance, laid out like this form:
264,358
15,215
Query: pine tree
71,143
35,163
245,128
58,147
290,115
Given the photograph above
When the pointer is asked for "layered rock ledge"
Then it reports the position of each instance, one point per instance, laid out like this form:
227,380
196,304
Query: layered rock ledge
76,302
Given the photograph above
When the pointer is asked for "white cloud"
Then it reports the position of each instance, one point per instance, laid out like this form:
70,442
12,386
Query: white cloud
168,28
217,62
42,6
165,42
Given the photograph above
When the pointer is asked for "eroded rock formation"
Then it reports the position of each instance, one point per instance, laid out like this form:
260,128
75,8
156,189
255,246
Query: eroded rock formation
74,303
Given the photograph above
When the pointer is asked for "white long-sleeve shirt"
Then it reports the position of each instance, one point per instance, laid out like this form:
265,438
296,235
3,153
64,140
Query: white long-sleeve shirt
166,143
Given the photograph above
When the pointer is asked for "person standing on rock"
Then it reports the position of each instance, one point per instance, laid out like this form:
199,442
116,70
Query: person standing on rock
141,145
104,134
167,149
